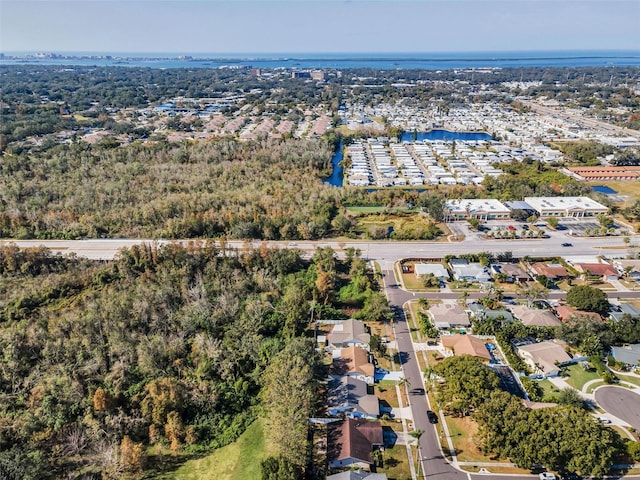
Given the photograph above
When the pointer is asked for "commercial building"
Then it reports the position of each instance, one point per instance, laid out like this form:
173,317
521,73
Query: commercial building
566,206
606,173
482,209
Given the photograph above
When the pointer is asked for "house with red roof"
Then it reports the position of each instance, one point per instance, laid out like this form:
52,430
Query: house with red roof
352,443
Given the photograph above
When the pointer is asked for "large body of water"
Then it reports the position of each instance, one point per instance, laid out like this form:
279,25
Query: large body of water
337,175
443,135
427,61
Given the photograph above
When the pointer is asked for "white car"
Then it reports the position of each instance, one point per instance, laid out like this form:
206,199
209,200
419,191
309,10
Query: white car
547,476
604,420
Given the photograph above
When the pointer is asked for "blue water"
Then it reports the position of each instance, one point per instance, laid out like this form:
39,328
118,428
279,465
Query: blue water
443,135
604,189
427,61
337,174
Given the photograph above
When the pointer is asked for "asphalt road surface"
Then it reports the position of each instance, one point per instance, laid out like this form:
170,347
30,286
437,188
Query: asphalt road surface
433,464
620,402
382,251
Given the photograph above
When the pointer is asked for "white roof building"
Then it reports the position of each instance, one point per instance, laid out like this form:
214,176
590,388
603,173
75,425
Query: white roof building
482,209
566,206
437,269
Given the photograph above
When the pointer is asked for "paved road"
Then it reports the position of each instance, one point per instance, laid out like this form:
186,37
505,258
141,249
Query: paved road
382,251
623,403
433,464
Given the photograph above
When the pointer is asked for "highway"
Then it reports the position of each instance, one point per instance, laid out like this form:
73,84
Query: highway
382,251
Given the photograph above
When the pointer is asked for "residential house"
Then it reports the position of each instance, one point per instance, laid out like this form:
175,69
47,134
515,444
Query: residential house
349,332
546,358
619,311
629,354
352,397
535,317
628,268
472,272
602,270
553,271
513,273
436,269
564,312
355,362
466,345
447,315
352,441
480,313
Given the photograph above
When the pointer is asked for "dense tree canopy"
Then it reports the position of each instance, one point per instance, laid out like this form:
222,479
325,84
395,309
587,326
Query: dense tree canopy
164,346
563,438
590,299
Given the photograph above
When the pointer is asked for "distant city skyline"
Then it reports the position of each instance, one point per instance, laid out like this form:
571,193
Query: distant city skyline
314,26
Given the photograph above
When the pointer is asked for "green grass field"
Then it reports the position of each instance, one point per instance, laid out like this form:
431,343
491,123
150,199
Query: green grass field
364,209
548,388
396,463
578,376
239,460
628,378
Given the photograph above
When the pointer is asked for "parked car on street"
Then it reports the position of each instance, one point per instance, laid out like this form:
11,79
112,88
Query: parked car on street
431,415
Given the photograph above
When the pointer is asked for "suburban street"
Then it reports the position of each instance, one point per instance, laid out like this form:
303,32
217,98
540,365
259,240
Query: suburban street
433,464
620,402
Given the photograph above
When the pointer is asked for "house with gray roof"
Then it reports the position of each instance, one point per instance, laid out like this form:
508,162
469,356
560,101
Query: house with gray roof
447,315
349,332
547,357
535,316
473,272
352,397
436,269
619,311
629,354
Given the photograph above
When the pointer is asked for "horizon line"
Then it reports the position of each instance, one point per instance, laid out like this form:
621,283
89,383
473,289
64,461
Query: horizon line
380,53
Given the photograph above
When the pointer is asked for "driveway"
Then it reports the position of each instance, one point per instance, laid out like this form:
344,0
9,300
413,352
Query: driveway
621,402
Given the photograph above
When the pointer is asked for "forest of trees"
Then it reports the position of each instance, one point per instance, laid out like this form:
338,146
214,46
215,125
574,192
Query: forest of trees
106,367
268,189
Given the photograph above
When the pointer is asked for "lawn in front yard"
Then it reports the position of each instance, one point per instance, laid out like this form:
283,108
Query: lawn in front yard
386,393
548,388
416,284
396,463
628,378
578,376
462,432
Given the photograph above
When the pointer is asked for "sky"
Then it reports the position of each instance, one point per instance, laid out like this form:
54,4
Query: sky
317,26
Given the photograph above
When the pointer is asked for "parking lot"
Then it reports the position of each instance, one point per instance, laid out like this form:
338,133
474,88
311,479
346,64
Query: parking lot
582,228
